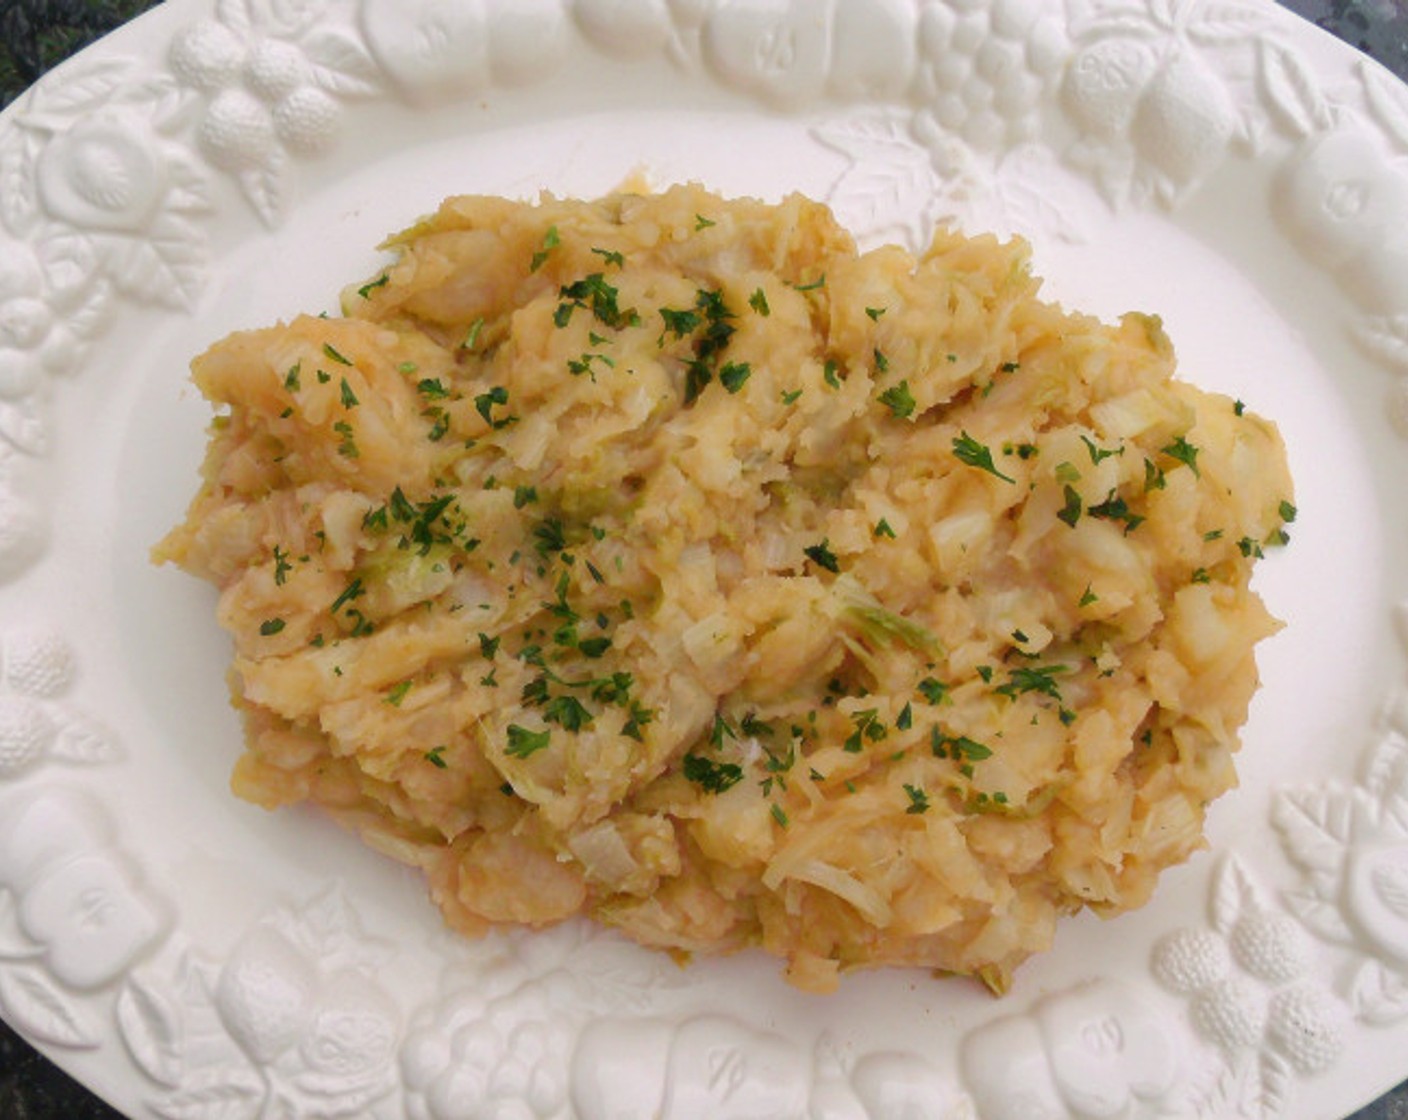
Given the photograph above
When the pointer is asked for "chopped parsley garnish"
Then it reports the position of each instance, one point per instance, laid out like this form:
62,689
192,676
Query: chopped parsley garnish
1184,452
349,398
701,222
883,529
970,452
882,363
397,693
551,241
435,757
524,495
488,646
1115,508
471,339
1200,575
829,373
1088,597
790,396
592,291
758,301
957,747
1098,454
815,285
1153,476
281,566
484,404
875,313
366,289
611,256
822,556
1238,408
347,443
934,691
711,776
271,626
432,388
291,382
522,742
1249,547
905,720
900,401
1039,679
918,799
567,712
1287,511
734,374
680,323
779,814
354,590
549,536
867,726
333,355
1070,512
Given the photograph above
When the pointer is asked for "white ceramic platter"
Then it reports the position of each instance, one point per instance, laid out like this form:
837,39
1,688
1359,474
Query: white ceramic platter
220,165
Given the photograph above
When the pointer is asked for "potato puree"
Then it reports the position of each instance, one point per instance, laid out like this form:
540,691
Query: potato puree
663,559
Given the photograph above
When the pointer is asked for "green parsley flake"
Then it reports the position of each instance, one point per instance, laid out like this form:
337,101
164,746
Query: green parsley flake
551,241
1185,453
970,452
333,355
711,776
758,301
918,799
271,626
822,556
734,374
381,281
522,742
900,401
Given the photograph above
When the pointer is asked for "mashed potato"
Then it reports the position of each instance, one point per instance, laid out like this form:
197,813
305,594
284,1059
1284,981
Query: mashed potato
665,560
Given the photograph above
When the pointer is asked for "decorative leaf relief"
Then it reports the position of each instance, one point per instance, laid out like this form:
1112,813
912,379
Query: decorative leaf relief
22,426
1271,1086
1378,995
1386,765
14,944
82,88
150,1027
267,187
889,182
19,205
1316,826
1387,103
82,739
1321,916
1292,89
234,1093
341,64
1384,338
326,1097
37,1008
166,266
236,15
1233,892
1227,22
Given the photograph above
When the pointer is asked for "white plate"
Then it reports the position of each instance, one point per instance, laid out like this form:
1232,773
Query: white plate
215,166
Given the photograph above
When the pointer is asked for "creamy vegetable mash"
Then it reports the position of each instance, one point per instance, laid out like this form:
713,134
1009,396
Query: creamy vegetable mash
665,560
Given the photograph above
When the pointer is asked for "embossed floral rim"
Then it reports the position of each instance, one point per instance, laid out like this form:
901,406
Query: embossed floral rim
127,174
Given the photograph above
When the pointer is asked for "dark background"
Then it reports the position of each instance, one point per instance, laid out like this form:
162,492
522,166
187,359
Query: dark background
37,34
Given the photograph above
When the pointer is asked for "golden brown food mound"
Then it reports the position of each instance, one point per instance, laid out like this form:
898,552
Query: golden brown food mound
663,559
